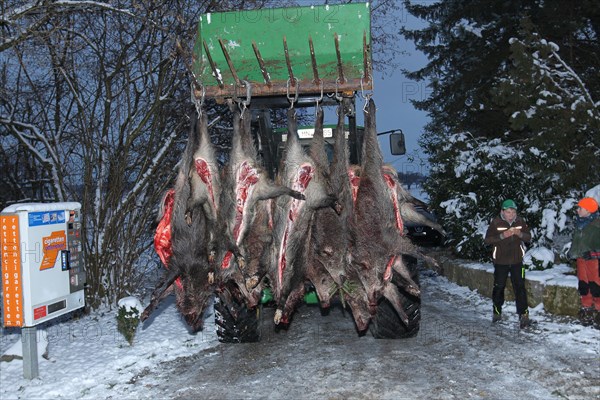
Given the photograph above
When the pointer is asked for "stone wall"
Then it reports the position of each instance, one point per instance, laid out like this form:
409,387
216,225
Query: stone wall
557,299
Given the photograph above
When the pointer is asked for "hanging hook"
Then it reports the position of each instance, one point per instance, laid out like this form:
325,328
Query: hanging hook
320,98
198,103
362,88
248,93
367,98
242,104
248,87
338,96
287,88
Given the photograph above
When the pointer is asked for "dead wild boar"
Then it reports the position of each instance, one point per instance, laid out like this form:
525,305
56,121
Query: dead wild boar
245,214
190,231
294,221
376,245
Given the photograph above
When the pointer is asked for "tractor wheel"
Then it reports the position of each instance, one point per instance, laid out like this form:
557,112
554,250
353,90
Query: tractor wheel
386,324
237,325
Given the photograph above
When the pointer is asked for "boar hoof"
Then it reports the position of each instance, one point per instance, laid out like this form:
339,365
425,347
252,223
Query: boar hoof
278,315
414,290
297,195
251,282
241,262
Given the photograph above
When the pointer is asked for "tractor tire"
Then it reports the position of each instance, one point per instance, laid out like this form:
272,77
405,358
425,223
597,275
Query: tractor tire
386,324
243,329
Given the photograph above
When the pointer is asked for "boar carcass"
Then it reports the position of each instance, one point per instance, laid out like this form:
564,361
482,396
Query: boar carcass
376,245
294,220
190,229
245,215
329,236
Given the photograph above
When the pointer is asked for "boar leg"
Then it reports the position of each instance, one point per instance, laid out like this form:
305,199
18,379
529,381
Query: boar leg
159,293
391,293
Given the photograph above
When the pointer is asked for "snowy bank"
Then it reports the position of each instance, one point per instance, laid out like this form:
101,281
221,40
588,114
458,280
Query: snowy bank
554,288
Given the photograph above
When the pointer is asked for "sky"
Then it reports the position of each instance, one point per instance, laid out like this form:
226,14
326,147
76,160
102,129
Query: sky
89,359
393,93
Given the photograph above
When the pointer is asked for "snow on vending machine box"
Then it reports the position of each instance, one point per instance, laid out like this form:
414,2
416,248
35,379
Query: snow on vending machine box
42,266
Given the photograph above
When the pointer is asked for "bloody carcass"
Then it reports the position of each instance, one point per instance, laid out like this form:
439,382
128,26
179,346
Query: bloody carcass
332,224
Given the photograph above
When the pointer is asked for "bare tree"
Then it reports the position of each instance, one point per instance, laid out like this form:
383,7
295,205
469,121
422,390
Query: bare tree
95,101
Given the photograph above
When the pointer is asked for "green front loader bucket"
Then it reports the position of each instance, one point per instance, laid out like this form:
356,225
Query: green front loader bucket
284,51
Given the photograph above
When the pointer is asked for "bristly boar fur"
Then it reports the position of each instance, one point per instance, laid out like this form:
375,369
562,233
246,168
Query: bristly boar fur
377,248
189,238
245,214
293,222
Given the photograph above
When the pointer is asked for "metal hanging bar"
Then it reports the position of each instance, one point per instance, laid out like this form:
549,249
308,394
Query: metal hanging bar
366,62
339,58
261,63
289,64
230,63
213,66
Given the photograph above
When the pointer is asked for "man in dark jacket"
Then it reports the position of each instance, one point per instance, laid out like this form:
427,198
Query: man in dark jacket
507,234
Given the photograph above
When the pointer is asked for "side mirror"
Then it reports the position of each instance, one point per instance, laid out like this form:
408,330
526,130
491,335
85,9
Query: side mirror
397,146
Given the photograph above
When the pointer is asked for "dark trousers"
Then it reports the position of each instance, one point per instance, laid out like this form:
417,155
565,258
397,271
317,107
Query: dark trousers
517,278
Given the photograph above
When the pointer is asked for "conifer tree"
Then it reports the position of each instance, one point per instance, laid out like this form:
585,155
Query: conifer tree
513,110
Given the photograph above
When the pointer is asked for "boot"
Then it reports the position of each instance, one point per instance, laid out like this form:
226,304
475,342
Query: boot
496,314
586,316
597,319
525,321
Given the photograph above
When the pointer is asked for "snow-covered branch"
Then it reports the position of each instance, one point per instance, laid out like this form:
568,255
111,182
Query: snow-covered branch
18,128
577,79
43,11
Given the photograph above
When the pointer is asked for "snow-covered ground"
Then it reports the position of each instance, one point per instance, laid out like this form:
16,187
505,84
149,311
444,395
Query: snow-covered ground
89,359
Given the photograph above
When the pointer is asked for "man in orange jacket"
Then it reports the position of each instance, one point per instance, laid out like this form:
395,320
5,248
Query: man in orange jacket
585,247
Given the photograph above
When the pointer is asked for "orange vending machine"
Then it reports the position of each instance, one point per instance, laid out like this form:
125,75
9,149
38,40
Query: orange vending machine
42,265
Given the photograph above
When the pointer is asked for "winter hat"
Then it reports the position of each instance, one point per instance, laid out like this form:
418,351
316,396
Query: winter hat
589,204
509,204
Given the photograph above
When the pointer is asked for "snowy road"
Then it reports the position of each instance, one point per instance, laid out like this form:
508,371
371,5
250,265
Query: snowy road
457,354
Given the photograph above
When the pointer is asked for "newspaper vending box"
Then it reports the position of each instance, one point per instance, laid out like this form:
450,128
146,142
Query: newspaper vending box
42,266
